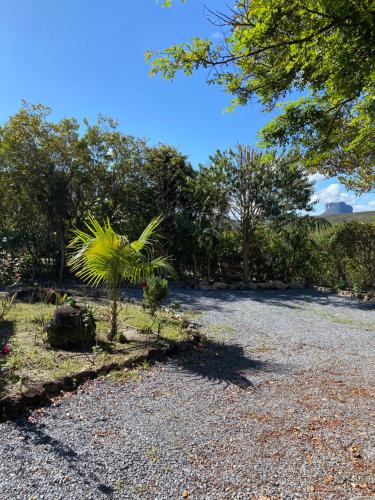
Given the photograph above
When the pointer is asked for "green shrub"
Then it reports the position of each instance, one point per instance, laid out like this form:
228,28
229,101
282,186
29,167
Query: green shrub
353,245
155,291
14,266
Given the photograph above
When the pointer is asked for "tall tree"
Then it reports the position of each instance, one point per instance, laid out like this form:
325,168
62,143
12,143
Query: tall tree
167,177
321,50
36,158
259,187
52,176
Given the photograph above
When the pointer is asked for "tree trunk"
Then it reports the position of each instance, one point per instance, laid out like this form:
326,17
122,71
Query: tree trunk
62,255
113,331
245,251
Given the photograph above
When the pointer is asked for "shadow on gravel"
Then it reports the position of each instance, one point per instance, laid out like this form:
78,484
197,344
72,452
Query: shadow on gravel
221,300
36,434
226,363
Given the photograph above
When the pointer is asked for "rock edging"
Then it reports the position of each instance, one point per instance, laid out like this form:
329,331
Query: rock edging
346,293
11,407
239,285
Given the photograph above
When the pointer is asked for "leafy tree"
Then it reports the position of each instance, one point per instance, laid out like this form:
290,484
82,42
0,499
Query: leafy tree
52,176
321,51
259,187
36,158
167,177
209,217
353,245
103,256
296,247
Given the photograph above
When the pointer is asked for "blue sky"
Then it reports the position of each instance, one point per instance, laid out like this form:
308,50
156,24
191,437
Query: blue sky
83,58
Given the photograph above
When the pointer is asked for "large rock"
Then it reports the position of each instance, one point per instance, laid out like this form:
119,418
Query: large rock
278,285
219,285
204,285
38,294
71,326
265,286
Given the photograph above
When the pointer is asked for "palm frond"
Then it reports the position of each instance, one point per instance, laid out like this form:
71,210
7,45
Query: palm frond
148,235
103,256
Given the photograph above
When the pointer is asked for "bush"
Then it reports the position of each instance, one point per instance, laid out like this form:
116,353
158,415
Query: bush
14,266
155,291
353,245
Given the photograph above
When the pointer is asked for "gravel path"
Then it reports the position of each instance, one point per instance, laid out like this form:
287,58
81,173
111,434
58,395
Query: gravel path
281,405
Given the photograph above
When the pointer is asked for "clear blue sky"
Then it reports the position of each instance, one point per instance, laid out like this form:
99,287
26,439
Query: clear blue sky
85,57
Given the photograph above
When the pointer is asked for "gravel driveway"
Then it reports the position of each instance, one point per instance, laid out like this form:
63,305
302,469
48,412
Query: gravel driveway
280,405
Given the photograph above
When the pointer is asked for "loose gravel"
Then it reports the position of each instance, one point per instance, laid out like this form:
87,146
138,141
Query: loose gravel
279,405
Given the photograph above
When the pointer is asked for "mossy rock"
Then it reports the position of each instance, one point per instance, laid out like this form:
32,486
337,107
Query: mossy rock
71,326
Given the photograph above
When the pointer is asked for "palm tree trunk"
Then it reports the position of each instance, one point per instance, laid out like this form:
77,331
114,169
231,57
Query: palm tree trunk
113,331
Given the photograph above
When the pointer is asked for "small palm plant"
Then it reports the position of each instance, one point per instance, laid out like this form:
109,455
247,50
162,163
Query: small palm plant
100,255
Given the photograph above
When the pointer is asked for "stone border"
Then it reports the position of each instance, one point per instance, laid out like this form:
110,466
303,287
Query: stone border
366,297
237,285
11,407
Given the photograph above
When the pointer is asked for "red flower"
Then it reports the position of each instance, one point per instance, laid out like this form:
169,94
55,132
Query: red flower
5,350
144,285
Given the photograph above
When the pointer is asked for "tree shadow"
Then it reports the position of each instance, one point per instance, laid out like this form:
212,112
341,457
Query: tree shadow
36,433
226,363
221,300
6,330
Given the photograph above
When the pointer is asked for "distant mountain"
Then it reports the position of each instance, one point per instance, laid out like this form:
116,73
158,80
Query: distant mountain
337,208
358,216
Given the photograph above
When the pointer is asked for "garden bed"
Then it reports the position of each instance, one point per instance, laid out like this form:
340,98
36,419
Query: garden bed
30,362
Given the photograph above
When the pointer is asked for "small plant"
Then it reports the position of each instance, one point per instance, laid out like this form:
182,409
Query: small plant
6,305
60,298
70,301
145,365
96,351
358,287
340,285
175,306
4,366
120,337
155,291
41,329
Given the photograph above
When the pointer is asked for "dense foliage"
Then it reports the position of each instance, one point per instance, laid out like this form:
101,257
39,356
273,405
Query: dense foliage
237,217
320,53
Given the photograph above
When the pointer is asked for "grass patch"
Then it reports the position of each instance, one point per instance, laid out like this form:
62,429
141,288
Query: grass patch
220,329
366,326
31,361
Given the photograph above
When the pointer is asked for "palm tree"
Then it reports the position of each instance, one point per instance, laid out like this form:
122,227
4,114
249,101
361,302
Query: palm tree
103,256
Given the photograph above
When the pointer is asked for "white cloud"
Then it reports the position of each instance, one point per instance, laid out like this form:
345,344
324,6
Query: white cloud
333,194
364,208
316,177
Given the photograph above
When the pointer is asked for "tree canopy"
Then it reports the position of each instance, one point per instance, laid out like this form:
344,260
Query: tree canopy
258,186
320,54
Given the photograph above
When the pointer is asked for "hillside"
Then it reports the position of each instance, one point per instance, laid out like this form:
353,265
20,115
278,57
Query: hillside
358,216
